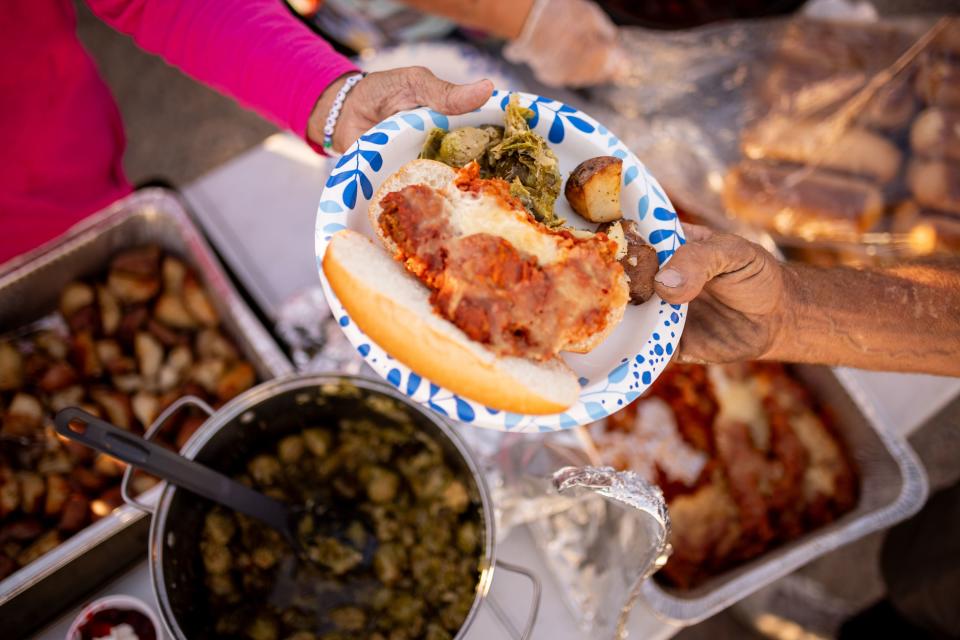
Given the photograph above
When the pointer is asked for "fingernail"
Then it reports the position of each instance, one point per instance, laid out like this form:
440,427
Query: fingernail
670,278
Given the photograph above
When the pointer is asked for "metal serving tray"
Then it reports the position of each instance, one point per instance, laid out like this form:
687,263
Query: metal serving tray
893,486
30,287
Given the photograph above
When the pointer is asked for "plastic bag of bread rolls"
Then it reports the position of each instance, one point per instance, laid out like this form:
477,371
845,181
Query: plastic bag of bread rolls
838,137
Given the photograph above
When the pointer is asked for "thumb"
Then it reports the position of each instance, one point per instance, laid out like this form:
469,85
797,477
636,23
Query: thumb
449,98
696,263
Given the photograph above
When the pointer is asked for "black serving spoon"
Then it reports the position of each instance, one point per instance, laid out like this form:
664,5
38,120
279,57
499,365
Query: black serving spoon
98,434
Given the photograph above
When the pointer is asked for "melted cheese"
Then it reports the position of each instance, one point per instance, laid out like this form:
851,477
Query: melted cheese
472,214
741,401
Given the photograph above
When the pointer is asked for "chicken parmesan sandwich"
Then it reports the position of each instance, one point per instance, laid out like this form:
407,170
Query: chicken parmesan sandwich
473,292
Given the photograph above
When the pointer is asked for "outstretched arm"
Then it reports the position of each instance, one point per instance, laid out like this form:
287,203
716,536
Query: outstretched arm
747,305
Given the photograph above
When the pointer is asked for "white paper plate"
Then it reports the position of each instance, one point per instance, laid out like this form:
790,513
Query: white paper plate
613,374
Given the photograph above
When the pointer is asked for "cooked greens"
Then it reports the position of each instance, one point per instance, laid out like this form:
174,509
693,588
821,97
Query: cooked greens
393,537
515,154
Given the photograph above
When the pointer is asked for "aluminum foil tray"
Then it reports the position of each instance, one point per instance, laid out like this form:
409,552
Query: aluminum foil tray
30,287
893,486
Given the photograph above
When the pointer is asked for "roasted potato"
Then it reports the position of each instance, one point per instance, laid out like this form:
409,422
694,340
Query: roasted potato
141,261
57,491
11,367
110,314
69,397
198,304
115,404
74,297
174,272
131,288
236,380
24,416
171,311
52,344
211,343
59,376
149,355
593,189
146,407
638,259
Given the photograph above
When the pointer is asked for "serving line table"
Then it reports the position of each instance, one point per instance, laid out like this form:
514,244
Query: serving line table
258,211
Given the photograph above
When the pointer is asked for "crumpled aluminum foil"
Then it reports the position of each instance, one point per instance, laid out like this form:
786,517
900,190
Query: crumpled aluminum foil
601,532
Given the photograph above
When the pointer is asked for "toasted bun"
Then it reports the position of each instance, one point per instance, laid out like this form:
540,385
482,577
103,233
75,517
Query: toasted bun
393,308
429,172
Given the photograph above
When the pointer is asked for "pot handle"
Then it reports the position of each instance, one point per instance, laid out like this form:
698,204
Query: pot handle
149,434
501,615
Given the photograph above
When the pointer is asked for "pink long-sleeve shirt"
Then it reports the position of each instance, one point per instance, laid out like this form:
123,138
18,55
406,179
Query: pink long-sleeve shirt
61,137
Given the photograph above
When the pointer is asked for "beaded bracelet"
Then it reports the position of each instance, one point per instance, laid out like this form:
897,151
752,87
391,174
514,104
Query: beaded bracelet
334,114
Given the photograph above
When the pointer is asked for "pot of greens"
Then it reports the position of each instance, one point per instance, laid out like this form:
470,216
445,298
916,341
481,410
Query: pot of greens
396,532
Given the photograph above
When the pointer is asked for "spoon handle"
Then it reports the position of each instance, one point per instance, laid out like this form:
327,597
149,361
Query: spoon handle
98,434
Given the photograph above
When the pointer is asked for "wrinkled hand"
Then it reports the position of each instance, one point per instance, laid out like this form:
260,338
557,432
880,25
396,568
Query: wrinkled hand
568,43
737,293
382,94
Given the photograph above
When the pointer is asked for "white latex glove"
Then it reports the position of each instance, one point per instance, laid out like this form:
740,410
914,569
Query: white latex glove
568,43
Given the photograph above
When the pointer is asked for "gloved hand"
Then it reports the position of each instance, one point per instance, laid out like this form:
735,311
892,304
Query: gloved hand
568,43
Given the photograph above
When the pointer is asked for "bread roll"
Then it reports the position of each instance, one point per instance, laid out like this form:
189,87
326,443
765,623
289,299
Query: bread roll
935,184
852,150
936,134
801,202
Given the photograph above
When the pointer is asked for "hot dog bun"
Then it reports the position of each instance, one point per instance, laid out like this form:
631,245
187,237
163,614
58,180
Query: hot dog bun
393,308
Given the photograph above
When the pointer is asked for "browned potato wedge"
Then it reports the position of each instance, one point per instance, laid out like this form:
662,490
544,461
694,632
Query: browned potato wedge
32,491
198,304
108,466
59,376
128,382
74,514
211,343
174,271
146,407
113,358
54,462
149,355
84,353
57,491
131,288
75,296
54,346
174,370
187,429
638,259
11,367
88,479
9,492
115,404
593,189
167,336
171,311
110,314
207,373
24,415
69,397
142,261
236,380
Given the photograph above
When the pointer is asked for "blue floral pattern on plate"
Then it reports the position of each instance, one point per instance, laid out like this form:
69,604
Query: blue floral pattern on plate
608,383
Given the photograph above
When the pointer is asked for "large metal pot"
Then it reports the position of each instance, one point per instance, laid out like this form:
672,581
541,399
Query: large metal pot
243,428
